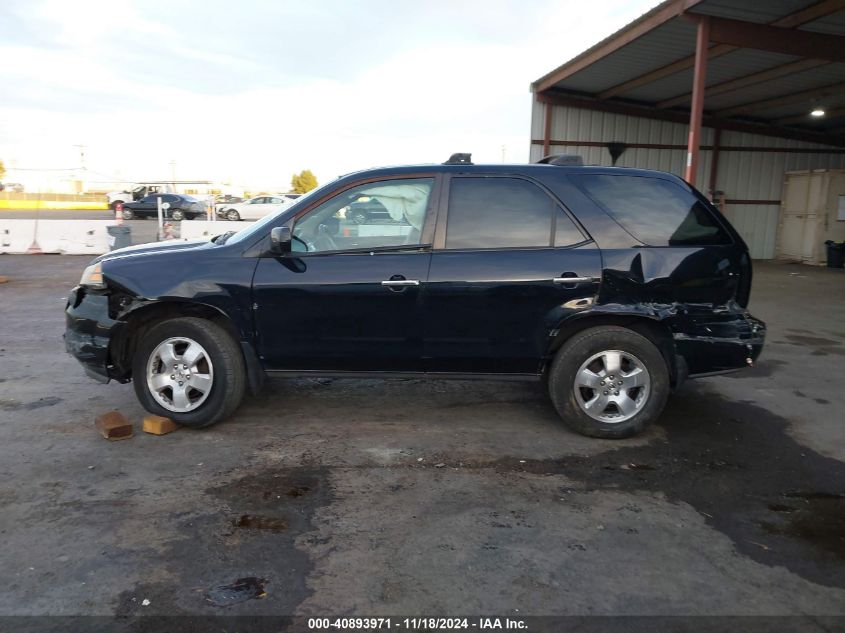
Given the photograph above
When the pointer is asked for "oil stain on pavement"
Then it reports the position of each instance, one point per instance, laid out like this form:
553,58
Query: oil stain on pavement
780,503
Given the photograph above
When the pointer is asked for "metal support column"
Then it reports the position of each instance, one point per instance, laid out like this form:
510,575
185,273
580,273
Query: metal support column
714,163
547,128
697,108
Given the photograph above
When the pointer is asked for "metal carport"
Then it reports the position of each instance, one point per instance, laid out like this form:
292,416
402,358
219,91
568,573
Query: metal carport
718,91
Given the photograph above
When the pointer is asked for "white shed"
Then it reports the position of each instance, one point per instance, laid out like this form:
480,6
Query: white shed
812,212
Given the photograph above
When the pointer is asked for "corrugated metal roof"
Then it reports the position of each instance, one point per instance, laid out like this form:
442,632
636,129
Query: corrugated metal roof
660,38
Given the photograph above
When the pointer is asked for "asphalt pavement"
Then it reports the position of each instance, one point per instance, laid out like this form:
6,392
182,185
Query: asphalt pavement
349,497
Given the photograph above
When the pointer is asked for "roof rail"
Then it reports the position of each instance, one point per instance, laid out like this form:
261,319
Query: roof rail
563,159
459,159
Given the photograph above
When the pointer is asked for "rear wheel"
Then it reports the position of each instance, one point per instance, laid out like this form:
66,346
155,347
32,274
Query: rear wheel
177,214
609,382
189,370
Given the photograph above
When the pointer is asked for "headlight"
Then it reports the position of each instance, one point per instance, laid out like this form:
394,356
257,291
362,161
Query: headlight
92,277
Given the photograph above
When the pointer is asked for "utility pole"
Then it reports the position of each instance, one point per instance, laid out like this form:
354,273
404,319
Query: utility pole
81,176
504,152
173,170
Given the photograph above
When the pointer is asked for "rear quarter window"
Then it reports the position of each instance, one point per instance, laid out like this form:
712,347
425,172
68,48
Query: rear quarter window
657,212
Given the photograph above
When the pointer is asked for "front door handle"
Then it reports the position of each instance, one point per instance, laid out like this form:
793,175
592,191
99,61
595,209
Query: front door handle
400,282
573,280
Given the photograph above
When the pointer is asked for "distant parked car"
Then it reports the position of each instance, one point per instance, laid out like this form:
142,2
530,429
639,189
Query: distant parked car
15,187
227,199
367,210
254,208
181,207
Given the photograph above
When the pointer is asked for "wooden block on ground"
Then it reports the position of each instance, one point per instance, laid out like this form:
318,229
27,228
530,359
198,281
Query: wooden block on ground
114,426
158,425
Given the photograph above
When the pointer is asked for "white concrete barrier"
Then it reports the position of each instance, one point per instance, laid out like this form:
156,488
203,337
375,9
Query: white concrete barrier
16,236
204,229
73,237
70,237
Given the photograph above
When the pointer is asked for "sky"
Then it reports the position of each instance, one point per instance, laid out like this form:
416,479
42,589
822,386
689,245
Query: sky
253,91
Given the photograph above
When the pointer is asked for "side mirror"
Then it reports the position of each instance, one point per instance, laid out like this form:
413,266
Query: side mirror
280,240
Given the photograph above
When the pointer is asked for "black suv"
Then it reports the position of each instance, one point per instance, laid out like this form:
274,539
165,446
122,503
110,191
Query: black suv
612,285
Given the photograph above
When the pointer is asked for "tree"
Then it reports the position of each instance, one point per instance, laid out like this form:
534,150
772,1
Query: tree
303,182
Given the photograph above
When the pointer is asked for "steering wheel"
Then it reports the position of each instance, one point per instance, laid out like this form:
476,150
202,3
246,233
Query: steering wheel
324,242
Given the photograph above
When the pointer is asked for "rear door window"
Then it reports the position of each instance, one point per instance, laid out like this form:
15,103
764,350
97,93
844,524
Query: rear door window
657,212
497,213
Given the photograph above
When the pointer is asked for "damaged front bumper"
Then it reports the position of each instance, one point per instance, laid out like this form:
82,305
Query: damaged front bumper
719,343
89,330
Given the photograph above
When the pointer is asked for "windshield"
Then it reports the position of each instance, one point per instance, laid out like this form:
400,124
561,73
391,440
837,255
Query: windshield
268,220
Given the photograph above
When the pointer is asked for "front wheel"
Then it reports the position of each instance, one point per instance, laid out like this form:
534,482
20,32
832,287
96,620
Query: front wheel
127,214
190,370
609,382
177,214
232,215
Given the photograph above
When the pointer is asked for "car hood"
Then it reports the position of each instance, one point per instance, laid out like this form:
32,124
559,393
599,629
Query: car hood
170,246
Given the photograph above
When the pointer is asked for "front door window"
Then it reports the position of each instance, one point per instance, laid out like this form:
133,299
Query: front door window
379,215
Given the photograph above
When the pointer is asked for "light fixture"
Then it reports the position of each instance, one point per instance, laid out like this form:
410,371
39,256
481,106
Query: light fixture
817,112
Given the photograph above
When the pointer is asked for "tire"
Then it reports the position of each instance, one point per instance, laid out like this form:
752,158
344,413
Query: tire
113,205
223,371
127,214
233,215
177,214
360,217
642,399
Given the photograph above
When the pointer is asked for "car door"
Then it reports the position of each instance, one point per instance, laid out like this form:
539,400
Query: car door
148,205
347,298
498,286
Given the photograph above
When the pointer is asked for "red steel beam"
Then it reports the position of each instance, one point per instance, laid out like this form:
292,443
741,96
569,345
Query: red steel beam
806,118
616,107
547,128
776,102
777,39
748,80
757,149
651,20
814,12
702,41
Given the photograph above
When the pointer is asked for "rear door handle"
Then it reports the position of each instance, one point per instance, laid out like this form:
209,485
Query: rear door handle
571,280
400,282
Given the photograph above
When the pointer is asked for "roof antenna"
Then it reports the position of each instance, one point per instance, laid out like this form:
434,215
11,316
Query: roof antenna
459,159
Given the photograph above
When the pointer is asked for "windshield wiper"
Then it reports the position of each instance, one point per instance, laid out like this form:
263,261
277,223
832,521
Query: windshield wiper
221,239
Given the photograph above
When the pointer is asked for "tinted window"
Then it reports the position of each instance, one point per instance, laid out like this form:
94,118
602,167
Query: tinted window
566,233
497,213
657,212
384,214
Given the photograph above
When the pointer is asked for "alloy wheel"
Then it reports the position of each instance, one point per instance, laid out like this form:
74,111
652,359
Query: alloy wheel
180,374
612,386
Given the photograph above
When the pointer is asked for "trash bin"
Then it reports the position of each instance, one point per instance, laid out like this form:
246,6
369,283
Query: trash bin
835,254
119,236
